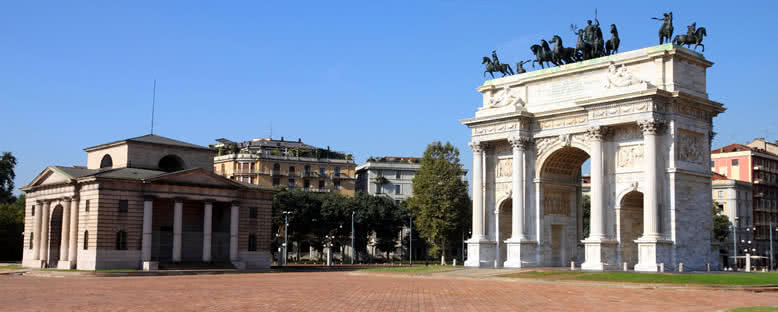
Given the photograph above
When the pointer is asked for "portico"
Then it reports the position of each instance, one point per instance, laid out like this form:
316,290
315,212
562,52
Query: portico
643,121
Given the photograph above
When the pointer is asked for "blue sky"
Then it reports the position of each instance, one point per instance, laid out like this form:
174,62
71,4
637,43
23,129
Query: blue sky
362,77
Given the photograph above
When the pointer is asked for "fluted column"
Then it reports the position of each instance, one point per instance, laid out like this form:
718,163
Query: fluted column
517,221
650,199
148,213
65,236
73,246
36,236
207,230
478,209
597,222
234,214
178,213
44,237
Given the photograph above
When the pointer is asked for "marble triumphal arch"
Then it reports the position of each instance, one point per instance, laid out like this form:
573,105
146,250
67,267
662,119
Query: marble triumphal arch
642,118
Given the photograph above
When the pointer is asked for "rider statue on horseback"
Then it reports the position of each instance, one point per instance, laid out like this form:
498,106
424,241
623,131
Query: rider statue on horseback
495,59
666,30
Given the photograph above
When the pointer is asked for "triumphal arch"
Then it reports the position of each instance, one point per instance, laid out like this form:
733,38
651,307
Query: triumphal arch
642,118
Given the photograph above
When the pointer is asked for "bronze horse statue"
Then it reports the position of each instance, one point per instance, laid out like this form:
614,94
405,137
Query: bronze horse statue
583,48
492,68
542,54
666,30
560,54
693,38
612,45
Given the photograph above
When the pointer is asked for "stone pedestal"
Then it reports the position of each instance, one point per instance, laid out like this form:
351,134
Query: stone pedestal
150,265
480,254
521,254
66,265
651,253
600,255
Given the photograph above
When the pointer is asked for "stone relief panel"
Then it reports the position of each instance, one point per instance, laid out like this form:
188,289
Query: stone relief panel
504,167
502,190
691,111
619,77
503,97
614,110
498,128
629,156
691,147
556,202
542,145
562,122
628,133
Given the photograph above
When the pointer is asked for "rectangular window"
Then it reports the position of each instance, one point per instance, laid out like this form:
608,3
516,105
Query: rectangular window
712,163
33,210
276,181
397,174
123,205
32,238
322,172
721,195
321,184
121,240
252,242
734,162
86,207
291,183
337,171
396,202
397,189
337,184
380,173
306,184
378,188
253,212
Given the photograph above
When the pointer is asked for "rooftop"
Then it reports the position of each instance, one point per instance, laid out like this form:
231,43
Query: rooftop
150,139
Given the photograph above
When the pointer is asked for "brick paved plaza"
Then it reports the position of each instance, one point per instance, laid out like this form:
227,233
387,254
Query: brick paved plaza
343,291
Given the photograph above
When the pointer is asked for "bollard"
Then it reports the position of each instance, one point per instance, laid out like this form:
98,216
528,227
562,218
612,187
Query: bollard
661,267
455,263
748,262
707,267
680,267
572,265
625,266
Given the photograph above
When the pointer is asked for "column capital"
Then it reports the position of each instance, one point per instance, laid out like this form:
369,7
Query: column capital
477,146
597,133
209,200
651,126
149,197
179,199
235,203
67,198
520,143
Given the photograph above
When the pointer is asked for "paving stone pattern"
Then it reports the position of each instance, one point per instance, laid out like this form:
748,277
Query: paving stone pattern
344,291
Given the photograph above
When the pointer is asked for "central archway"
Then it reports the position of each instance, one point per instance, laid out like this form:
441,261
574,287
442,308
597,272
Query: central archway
562,205
55,236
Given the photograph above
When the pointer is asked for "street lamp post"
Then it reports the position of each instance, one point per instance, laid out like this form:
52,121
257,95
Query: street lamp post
353,251
734,242
410,241
286,236
771,245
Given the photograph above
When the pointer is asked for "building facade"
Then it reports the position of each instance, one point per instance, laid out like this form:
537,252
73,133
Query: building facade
290,164
388,176
754,164
644,120
142,202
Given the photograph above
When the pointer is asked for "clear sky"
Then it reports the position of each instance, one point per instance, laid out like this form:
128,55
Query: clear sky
362,77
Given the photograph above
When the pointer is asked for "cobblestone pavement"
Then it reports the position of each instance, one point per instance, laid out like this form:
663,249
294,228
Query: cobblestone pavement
344,291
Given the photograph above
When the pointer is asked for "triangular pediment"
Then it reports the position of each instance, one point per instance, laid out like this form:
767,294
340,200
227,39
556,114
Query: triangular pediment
51,176
196,176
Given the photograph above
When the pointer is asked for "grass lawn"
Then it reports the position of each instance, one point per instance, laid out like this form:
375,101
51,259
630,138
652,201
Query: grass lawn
10,267
411,269
755,309
95,271
729,279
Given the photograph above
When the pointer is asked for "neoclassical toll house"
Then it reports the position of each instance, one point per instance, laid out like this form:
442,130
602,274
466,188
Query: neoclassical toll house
644,120
140,202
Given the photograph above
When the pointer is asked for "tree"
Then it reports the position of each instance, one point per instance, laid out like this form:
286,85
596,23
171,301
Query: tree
7,176
11,228
440,202
720,224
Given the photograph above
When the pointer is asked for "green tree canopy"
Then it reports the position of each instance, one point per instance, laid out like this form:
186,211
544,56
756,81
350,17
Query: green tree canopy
720,224
7,176
440,203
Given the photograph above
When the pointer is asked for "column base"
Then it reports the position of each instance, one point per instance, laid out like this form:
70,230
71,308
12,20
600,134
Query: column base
600,255
480,253
652,252
66,265
520,253
35,264
150,265
240,265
